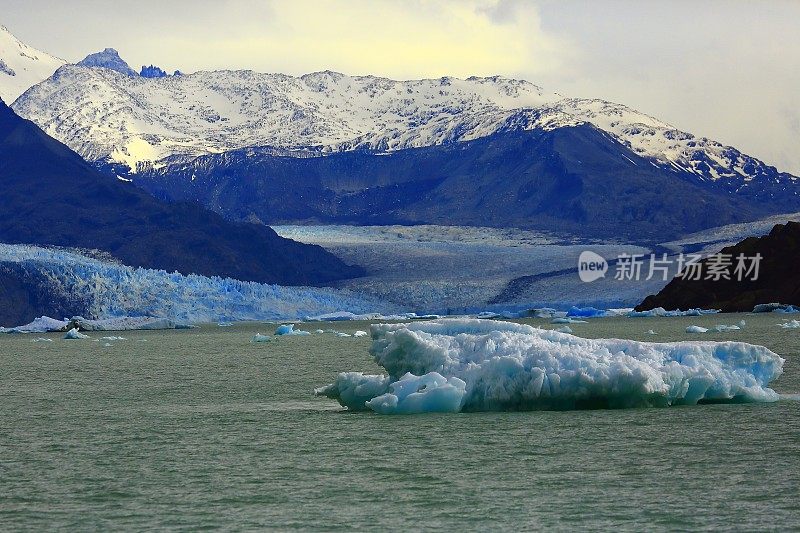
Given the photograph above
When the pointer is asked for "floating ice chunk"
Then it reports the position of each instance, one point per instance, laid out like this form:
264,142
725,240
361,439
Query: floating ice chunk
360,333
43,324
722,328
354,389
514,366
285,329
430,393
319,331
792,324
651,332
342,334
660,311
108,345
112,339
564,329
339,316
567,320
258,337
74,334
776,308
42,339
544,312
125,323
696,329
288,329
587,312
225,324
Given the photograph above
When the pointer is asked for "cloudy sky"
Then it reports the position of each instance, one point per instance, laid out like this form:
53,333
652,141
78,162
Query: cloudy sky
726,69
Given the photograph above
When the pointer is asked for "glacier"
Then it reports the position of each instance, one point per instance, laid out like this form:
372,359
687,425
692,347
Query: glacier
509,366
116,291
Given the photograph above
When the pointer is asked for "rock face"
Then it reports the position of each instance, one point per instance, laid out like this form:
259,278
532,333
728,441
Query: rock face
778,279
573,179
108,58
50,196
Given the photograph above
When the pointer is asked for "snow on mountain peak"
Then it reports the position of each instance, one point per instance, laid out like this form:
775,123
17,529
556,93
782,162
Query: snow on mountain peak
135,121
22,66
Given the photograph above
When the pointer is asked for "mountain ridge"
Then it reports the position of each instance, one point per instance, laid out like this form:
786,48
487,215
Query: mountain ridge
146,122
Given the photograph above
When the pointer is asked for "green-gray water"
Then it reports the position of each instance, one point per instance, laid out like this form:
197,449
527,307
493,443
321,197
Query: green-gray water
204,429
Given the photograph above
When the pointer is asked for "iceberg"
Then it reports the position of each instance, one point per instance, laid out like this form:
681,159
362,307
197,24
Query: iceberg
588,312
545,312
258,337
288,330
43,324
661,312
360,333
567,321
509,366
74,334
125,323
721,328
776,308
792,324
431,393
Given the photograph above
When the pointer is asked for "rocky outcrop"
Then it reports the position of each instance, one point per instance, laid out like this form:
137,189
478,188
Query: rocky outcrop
778,278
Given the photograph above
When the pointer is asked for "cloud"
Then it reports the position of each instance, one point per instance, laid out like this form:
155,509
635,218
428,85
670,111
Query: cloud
410,39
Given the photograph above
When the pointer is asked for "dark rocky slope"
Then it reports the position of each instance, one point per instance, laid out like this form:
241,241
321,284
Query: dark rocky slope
571,179
50,196
778,280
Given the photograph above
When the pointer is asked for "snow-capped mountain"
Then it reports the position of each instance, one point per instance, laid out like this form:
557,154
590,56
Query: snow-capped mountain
109,117
108,58
22,66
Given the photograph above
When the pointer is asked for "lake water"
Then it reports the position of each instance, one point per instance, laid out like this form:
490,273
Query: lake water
204,429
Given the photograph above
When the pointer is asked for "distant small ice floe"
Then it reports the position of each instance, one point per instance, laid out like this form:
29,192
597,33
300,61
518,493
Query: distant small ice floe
661,312
792,324
776,308
720,328
651,332
288,330
360,333
74,334
567,320
258,337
